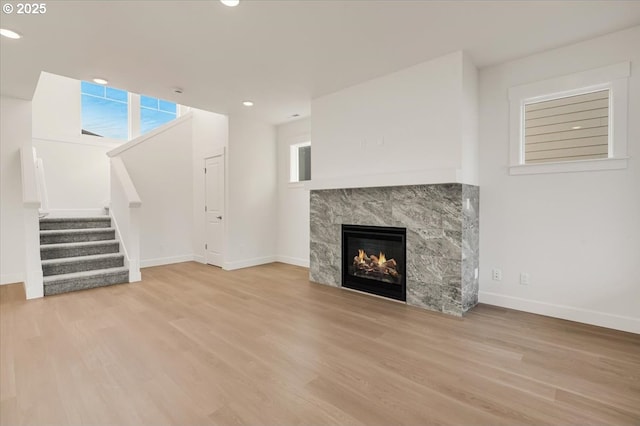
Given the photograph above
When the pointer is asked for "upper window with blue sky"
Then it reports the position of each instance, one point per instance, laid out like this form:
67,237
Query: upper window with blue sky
105,112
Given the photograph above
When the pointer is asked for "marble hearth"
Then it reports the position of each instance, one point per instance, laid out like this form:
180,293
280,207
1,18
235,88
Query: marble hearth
442,238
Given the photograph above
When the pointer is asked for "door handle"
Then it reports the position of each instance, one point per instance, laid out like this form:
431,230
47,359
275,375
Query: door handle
219,217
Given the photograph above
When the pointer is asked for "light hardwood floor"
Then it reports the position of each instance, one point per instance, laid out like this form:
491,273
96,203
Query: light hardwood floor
193,345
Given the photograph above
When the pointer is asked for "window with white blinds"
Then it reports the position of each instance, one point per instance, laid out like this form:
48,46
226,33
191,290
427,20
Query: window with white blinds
571,123
567,129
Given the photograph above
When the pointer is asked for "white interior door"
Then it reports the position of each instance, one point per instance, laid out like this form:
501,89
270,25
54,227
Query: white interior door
214,210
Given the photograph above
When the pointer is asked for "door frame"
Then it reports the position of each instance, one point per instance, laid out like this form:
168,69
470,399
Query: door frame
219,152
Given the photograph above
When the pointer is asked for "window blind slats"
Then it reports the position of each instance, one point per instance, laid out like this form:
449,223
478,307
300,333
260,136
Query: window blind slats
567,129
573,134
567,143
566,109
568,153
576,158
568,118
602,94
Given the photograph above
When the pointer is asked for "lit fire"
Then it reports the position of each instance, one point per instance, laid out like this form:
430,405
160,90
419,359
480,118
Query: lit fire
376,267
363,258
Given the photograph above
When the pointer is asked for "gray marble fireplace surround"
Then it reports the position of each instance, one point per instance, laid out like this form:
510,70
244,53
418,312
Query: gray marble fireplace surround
442,238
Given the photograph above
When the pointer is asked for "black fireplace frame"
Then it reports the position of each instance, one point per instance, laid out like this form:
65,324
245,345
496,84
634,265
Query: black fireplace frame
397,292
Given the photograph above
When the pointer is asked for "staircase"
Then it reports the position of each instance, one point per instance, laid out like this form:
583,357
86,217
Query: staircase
80,253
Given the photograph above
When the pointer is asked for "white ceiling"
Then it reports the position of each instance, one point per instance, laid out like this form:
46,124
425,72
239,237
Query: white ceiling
280,54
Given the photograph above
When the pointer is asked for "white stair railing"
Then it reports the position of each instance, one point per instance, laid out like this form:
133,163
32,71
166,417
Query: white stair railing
33,281
125,212
42,185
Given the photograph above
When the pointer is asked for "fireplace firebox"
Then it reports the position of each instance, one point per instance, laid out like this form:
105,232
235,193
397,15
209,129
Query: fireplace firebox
374,260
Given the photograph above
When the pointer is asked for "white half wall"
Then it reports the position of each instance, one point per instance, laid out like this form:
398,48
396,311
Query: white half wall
77,175
406,128
252,193
577,234
293,198
161,169
15,130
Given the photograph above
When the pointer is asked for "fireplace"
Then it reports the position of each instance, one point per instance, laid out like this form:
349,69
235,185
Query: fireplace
374,260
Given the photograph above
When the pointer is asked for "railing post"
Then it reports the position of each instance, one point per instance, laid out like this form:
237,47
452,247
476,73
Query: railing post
125,211
33,280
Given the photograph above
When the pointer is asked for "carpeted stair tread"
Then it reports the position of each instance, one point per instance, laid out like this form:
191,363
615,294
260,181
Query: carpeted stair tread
79,258
67,265
85,248
55,236
64,283
84,274
74,219
75,231
75,222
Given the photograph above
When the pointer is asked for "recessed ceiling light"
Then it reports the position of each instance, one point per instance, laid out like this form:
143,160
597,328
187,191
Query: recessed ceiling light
230,3
10,34
247,103
100,81
576,127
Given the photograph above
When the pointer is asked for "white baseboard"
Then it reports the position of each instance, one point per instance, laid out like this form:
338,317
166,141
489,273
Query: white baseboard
293,261
76,212
199,259
239,264
147,263
11,278
602,319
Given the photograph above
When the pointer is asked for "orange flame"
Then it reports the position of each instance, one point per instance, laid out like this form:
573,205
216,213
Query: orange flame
381,258
361,255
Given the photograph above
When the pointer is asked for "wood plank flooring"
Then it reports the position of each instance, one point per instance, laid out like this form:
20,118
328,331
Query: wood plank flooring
194,345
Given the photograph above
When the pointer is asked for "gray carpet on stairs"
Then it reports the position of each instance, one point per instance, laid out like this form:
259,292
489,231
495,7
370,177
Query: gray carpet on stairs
79,254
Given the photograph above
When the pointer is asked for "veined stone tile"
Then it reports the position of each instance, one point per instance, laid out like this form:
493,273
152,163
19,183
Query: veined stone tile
470,245
451,244
325,264
326,232
425,295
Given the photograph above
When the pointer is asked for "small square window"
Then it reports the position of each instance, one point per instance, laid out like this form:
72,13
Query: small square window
569,128
572,123
300,162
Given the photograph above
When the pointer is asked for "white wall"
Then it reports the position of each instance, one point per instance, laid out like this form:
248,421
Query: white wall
293,198
76,166
15,130
77,176
469,122
210,134
161,169
577,234
407,124
252,193
57,108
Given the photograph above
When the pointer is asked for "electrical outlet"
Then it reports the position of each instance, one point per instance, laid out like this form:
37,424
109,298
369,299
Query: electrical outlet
525,278
497,274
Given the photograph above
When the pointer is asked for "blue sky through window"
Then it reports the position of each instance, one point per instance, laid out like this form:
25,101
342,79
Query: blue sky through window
105,111
155,112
